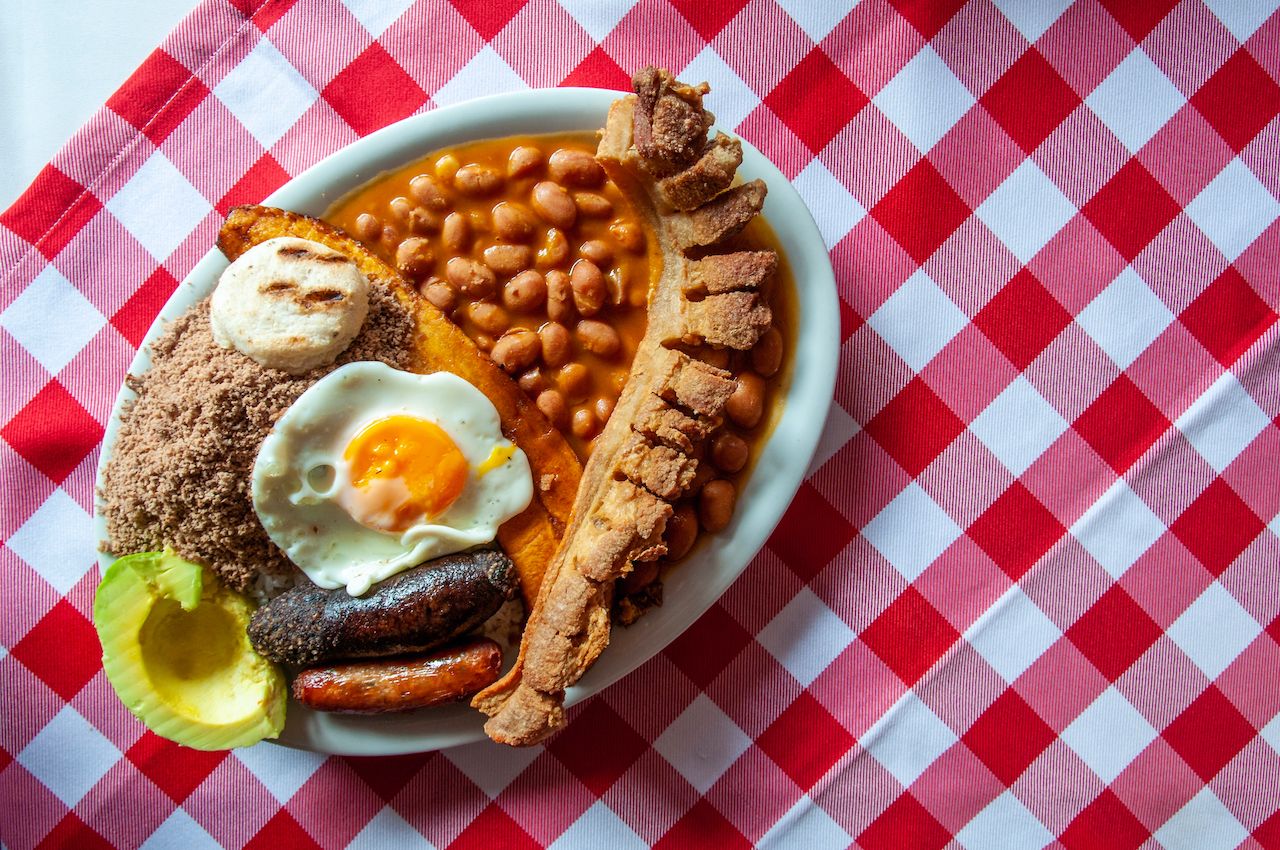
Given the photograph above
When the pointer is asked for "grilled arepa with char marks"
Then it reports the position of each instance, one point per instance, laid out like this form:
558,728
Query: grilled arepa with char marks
530,539
647,456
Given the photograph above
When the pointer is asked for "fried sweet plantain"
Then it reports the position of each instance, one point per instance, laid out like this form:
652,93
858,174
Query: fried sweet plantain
530,538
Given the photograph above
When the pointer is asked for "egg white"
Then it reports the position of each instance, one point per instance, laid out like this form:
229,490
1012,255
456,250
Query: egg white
300,471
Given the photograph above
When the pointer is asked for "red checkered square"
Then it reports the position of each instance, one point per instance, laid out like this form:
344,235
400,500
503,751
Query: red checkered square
1114,633
493,828
1022,319
386,776
489,18
598,70
262,178
1030,100
1141,17
708,18
135,316
1008,736
707,647
374,90
1217,527
1238,100
1209,733
53,432
1131,209
1121,424
905,823
816,120
805,740
915,427
810,534
282,830
702,826
1016,531
598,747
921,211
62,649
52,210
927,16
1228,317
1268,833
1104,824
910,636
158,96
175,769
71,831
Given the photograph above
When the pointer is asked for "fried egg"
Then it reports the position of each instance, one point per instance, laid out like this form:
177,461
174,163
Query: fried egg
374,470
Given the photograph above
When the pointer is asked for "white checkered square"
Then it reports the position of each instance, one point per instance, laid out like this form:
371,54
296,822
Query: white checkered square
1241,17
908,738
806,825
1271,733
1214,630
1135,100
181,830
1125,318
839,430
1032,17
1026,211
69,756
1233,209
388,829
490,766
159,185
1005,824
599,827
57,541
924,100
918,320
597,18
486,73
731,100
817,19
1109,734
376,15
52,320
702,743
1118,528
911,531
806,636
1202,824
834,209
1018,426
267,94
1222,422
1013,634
282,769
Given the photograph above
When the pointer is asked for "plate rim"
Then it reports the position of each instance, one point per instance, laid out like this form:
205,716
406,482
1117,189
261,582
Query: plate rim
780,469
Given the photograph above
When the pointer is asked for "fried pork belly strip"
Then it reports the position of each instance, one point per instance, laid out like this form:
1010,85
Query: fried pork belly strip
530,538
647,455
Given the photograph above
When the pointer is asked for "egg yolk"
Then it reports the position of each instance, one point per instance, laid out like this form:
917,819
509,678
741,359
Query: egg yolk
406,469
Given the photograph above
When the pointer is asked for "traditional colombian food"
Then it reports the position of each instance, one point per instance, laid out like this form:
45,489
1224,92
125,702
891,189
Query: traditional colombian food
362,458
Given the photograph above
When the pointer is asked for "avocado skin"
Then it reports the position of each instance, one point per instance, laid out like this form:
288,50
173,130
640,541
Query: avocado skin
412,611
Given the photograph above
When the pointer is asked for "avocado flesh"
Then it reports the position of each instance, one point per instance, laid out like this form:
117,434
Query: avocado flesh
175,649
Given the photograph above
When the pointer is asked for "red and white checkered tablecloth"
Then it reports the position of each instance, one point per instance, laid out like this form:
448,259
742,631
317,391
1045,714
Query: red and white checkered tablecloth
1030,593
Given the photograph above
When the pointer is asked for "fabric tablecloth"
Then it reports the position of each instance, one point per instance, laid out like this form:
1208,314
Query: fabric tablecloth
1028,595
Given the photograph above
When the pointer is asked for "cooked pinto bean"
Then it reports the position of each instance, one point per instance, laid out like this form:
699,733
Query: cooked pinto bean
523,161
526,292
629,235
589,291
556,346
484,342
555,251
592,205
682,531
368,227
532,382
414,257
443,296
604,409
575,381
553,203
729,452
456,234
584,423
477,180
447,167
400,208
715,504
574,168
598,338
559,297
507,260
746,405
597,251
766,357
553,406
513,222
472,278
489,318
516,351
426,190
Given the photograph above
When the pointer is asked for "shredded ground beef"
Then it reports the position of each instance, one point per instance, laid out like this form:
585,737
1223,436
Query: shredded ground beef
179,474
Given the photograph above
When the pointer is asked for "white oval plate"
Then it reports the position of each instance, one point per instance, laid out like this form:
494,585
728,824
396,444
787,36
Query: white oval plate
697,583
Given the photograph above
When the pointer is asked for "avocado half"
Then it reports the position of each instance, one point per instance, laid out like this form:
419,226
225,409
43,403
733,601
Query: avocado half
175,649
